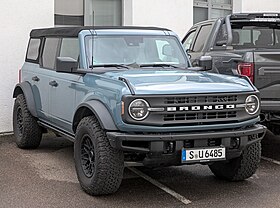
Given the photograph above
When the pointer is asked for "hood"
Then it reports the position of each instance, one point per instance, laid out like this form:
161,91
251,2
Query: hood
181,82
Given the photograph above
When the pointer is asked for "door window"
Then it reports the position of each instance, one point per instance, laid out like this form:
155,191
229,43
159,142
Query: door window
69,48
50,53
201,38
188,40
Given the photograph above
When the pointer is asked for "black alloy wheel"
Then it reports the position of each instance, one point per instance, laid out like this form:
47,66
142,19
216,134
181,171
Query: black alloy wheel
87,156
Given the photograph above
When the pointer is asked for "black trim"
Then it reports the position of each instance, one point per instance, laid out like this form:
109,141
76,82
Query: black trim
60,132
25,87
74,31
127,82
117,139
100,111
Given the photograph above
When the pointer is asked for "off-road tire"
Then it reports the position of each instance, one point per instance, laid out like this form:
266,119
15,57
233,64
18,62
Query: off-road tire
241,168
27,132
108,162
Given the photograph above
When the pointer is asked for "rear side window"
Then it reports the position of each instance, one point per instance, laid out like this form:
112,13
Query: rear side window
33,50
50,53
255,37
201,38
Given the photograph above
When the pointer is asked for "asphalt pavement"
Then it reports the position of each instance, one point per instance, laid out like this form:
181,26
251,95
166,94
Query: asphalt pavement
46,177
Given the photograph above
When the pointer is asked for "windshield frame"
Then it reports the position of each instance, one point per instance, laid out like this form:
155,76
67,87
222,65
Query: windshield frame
174,38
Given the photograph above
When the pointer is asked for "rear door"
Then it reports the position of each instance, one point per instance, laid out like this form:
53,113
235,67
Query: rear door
38,76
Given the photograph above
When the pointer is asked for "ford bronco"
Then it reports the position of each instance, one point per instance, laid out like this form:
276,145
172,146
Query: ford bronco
129,95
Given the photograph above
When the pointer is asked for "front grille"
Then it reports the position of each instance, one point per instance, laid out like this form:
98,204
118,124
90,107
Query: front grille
191,109
200,99
199,116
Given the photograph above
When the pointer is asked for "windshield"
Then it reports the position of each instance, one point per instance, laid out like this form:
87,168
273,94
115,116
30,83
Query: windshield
134,51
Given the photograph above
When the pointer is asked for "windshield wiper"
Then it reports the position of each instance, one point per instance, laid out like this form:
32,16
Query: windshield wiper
109,65
158,65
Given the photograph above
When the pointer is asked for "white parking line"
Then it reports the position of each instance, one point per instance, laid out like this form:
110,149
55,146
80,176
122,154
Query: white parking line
161,186
271,160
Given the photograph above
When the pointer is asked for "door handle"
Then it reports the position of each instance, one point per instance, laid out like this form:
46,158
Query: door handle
36,79
53,83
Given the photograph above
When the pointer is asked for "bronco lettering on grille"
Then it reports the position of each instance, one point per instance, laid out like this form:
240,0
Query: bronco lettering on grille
200,107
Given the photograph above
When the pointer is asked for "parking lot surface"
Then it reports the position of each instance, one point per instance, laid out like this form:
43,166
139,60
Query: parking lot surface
46,177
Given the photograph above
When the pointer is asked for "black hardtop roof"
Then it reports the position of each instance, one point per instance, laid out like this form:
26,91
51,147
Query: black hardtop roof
74,31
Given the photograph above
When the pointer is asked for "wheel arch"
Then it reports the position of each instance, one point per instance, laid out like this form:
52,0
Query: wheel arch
97,109
25,89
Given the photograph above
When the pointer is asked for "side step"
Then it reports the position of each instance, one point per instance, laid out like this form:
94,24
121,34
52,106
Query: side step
57,131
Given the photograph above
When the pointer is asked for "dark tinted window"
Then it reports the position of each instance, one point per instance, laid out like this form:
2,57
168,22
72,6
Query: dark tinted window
50,52
255,37
201,38
33,50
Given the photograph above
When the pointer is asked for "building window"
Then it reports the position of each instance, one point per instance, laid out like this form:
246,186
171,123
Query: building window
103,13
69,12
211,9
88,12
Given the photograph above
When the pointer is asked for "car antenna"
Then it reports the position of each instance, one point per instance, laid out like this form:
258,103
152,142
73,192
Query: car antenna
92,40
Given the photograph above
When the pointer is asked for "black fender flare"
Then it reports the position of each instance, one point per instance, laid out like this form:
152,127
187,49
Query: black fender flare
25,89
99,110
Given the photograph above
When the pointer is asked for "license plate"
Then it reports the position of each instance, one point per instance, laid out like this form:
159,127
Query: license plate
203,154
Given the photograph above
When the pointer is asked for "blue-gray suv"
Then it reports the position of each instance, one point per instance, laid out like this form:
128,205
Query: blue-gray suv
128,95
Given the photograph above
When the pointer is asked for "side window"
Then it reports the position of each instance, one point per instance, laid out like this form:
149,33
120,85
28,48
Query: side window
201,38
188,40
33,50
70,48
50,52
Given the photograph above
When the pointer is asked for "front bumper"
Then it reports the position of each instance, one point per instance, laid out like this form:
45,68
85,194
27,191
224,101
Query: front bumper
156,143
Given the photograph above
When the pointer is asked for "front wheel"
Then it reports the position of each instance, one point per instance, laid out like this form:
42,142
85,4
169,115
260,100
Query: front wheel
241,168
99,166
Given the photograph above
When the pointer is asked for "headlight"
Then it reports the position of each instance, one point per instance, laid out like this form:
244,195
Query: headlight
252,104
138,109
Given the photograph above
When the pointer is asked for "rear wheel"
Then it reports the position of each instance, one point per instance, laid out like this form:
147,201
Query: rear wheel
240,168
26,129
99,167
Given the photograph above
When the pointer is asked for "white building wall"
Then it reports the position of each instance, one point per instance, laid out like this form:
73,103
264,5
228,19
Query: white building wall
17,19
176,15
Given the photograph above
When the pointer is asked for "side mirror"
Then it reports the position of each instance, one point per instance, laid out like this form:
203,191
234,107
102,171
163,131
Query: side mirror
66,64
205,62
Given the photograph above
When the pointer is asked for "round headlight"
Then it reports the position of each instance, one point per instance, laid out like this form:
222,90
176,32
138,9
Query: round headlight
138,109
252,104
